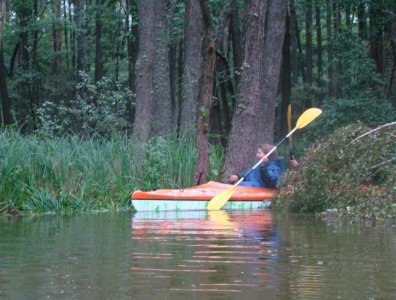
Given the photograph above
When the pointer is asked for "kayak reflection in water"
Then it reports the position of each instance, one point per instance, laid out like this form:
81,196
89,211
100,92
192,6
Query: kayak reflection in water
269,172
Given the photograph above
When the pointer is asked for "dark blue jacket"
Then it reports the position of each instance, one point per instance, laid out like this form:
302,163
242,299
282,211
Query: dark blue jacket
264,176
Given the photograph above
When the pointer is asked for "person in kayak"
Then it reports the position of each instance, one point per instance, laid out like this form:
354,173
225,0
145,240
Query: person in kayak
267,174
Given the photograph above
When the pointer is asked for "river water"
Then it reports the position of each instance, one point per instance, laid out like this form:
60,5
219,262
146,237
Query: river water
194,255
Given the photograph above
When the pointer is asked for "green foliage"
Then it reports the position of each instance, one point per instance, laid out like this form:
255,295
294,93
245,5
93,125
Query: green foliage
355,177
98,109
67,174
344,111
354,71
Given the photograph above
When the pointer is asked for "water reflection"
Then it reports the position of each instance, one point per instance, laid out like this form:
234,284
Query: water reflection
205,252
219,255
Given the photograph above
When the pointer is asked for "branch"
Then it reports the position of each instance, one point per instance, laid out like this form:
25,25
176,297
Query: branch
373,130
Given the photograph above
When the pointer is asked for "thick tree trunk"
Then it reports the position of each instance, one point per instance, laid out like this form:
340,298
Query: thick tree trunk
243,138
145,71
308,42
5,100
274,37
205,99
162,123
192,66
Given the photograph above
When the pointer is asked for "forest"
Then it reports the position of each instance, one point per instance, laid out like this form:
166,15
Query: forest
205,79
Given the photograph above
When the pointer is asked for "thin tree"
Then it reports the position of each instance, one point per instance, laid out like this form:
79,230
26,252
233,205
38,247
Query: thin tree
308,42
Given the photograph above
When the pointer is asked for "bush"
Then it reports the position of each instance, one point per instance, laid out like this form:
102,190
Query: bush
98,109
355,177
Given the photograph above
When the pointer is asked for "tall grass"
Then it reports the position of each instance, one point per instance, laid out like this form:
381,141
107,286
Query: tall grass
66,174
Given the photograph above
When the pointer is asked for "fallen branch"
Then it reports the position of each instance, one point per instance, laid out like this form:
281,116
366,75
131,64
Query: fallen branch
373,130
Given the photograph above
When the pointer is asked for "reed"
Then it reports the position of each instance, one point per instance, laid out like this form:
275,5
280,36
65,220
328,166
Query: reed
68,174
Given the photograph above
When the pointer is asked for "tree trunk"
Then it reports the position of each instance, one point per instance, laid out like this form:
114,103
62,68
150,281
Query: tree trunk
319,47
66,36
2,14
329,49
362,20
274,38
293,42
308,42
79,18
390,56
132,46
145,71
295,32
5,100
236,40
57,40
192,66
98,41
243,138
376,31
205,98
286,78
162,125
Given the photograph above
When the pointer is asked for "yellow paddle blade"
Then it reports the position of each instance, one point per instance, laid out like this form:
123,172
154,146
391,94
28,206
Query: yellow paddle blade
289,120
307,117
218,201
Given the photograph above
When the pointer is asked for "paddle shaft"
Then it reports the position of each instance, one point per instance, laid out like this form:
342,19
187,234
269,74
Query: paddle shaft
268,154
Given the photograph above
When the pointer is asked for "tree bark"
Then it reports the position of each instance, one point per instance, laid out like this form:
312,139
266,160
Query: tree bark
57,40
243,138
192,66
274,38
205,98
376,31
362,21
162,125
145,71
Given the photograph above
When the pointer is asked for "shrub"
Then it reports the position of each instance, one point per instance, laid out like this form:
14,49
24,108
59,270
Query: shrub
357,177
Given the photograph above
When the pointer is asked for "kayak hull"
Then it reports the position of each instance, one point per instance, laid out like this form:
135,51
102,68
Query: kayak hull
198,197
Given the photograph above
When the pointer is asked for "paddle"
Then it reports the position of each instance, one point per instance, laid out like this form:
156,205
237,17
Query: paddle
218,201
289,127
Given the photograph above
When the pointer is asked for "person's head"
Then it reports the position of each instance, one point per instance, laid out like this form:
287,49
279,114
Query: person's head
264,149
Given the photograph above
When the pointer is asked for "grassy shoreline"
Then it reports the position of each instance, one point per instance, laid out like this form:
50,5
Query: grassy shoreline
41,175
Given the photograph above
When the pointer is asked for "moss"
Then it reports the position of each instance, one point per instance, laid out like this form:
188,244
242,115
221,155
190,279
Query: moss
354,174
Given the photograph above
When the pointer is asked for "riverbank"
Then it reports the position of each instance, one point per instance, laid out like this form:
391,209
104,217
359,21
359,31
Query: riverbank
41,175
350,174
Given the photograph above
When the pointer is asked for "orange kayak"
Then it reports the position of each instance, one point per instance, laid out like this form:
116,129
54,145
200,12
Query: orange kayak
198,197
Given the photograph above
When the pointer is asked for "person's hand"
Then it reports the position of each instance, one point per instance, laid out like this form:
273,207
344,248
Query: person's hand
233,178
265,160
294,163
